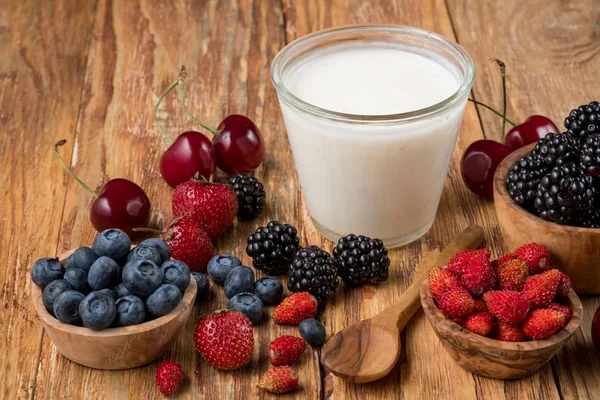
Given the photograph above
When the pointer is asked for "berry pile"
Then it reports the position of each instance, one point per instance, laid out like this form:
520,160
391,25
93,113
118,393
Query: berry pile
560,180
515,298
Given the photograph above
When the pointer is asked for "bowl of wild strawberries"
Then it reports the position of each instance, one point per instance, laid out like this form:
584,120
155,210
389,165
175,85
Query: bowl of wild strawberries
112,305
504,318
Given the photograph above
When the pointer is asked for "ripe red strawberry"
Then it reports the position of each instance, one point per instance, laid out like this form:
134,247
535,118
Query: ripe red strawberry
478,276
440,280
508,306
537,257
563,309
540,289
480,305
481,323
213,205
295,309
169,376
500,261
456,303
543,323
279,380
459,262
285,350
512,275
509,333
564,285
189,243
225,339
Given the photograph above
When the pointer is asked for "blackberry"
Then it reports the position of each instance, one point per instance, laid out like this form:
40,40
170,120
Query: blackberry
523,180
587,219
361,260
313,270
584,120
590,155
250,194
556,149
272,248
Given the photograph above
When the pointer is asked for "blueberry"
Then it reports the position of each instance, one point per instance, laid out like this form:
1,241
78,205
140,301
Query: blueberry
77,277
177,273
312,331
97,310
239,280
46,270
82,258
113,243
66,307
130,311
109,292
104,273
220,266
161,246
142,277
145,253
201,284
163,300
249,304
53,290
269,290
121,290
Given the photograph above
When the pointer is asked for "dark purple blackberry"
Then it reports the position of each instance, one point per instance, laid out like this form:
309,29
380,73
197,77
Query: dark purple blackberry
556,149
313,270
250,194
523,180
590,155
361,260
272,248
584,120
587,219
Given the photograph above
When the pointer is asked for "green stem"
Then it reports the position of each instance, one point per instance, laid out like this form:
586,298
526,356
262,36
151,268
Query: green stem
86,187
492,110
503,74
160,99
185,109
149,230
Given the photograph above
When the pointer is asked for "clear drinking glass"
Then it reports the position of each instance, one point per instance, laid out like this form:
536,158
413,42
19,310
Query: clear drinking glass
376,175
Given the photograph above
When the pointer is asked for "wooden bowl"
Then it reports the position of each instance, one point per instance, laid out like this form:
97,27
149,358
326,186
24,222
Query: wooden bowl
575,251
494,358
116,348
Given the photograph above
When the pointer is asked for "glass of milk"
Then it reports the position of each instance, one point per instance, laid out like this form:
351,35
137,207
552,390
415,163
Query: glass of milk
372,114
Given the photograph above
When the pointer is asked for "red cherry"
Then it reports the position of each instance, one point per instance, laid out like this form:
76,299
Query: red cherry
479,163
239,145
531,130
596,329
190,153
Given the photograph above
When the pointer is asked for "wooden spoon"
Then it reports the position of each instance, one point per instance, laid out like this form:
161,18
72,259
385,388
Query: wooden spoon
369,350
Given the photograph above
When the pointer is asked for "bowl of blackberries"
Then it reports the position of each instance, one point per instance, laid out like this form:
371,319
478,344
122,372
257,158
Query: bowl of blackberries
549,192
113,305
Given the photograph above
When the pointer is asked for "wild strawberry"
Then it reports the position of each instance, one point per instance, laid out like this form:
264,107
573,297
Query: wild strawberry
212,205
564,285
481,323
169,376
508,306
295,309
509,333
500,261
225,339
456,303
537,257
279,380
543,323
563,309
480,305
189,243
512,275
459,262
440,280
540,289
479,276
285,350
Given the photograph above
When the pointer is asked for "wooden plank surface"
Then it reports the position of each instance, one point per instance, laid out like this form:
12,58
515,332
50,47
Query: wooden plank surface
90,72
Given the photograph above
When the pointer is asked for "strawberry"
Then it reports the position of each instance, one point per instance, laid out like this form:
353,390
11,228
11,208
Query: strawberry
285,350
169,376
508,306
478,276
509,333
500,261
512,275
480,305
537,257
212,205
564,285
459,262
543,323
440,280
225,339
189,243
563,309
279,380
456,303
295,309
540,289
481,323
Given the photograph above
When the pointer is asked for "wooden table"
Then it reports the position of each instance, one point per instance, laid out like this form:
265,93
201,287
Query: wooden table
90,72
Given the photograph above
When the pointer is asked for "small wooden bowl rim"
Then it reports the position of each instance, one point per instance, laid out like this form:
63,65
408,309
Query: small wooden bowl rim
36,293
436,317
501,192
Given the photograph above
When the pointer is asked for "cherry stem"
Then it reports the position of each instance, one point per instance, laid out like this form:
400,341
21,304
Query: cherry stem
160,99
149,230
492,110
86,187
503,74
180,90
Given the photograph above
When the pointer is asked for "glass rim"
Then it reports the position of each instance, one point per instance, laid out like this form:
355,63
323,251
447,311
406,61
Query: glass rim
287,96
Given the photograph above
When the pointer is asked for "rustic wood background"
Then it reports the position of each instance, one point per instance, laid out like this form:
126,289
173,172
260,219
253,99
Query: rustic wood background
90,72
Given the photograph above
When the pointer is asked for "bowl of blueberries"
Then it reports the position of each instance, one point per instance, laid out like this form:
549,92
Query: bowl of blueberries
113,305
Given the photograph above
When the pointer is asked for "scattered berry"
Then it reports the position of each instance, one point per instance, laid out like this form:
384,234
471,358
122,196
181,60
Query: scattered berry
161,246
479,276
163,300
313,270
239,280
104,273
536,255
508,306
540,289
130,311
169,376
269,290
480,305
250,194
286,350
279,380
113,243
312,331
249,304
97,311
440,280
361,260
145,253
456,303
543,323
460,261
481,323
142,277
66,307
295,309
177,273
46,270
201,284
220,266
190,243
52,291
77,277
509,333
512,275
564,285
272,248
83,257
